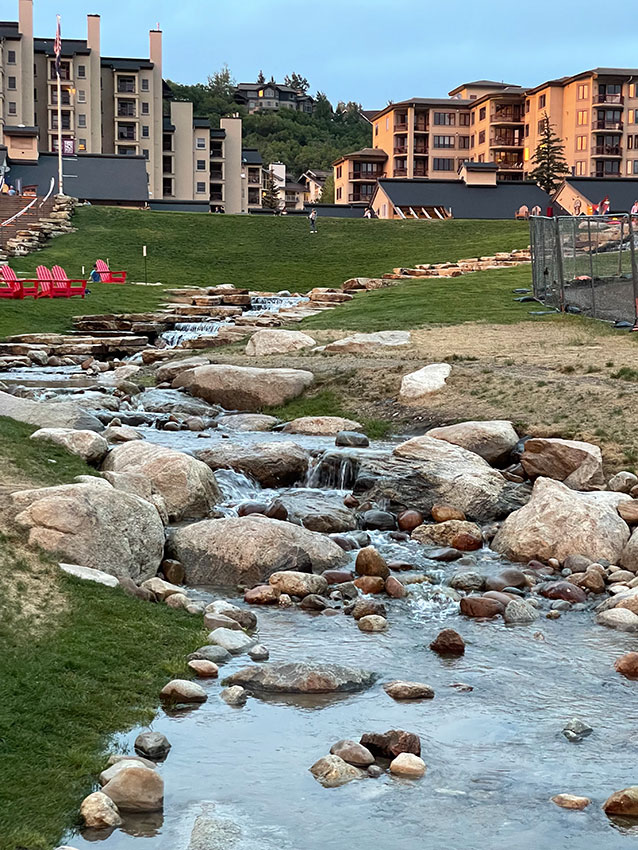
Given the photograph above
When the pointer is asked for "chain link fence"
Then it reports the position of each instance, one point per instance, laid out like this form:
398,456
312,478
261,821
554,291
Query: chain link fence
587,265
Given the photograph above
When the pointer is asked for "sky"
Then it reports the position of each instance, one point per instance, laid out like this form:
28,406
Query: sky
369,51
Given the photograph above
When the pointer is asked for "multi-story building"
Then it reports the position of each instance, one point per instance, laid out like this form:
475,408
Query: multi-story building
262,97
313,180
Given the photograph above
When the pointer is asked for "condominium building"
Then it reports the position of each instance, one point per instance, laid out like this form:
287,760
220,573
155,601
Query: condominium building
264,97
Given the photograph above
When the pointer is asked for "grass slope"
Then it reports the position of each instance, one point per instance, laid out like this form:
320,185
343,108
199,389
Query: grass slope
258,252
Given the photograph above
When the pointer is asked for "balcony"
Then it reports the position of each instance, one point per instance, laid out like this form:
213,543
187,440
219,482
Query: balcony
217,196
366,175
401,126
217,175
401,149
255,179
421,127
600,172
420,172
506,142
612,99
358,197
400,172
607,125
420,149
506,118
510,165
607,150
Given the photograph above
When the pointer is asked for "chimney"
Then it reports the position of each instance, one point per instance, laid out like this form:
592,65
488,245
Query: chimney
93,32
156,48
25,17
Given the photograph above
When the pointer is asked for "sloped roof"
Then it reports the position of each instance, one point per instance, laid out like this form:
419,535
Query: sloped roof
9,29
370,153
621,192
251,156
70,46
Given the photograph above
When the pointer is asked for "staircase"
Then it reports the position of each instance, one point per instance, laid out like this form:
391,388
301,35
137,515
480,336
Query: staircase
34,227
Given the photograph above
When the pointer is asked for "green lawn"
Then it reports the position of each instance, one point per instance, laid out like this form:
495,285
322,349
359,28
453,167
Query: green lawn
258,252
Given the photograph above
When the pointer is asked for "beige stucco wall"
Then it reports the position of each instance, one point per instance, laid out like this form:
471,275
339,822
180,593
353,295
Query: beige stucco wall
233,189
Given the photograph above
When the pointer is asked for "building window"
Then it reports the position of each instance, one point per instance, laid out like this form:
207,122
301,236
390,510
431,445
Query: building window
145,153
376,129
443,164
631,117
81,144
481,138
167,186
632,89
201,188
472,140
464,119
126,85
528,105
583,91
482,113
145,109
527,129
81,70
126,132
201,165
81,96
146,131
445,118
540,126
201,143
11,57
339,193
580,168
167,164
127,150
481,157
145,84
339,167
636,166
387,122
464,142
81,120
542,101
581,117
630,142
581,143
444,141
13,108
11,83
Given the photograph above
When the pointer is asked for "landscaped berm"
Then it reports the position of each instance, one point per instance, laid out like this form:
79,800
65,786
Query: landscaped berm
288,512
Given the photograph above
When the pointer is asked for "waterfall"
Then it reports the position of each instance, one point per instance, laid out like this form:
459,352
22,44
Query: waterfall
260,304
332,470
191,330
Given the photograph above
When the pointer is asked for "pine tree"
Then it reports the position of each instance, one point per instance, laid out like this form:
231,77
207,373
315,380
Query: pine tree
549,159
297,82
261,79
270,199
328,191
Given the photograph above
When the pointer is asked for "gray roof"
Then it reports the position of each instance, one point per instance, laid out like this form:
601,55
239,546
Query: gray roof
217,133
9,29
370,153
622,192
94,177
251,156
70,46
482,83
123,64
480,166
167,125
496,202
201,122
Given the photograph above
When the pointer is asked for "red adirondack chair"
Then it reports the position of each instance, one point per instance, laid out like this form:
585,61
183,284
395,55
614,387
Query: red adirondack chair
49,285
9,286
107,276
67,285
22,288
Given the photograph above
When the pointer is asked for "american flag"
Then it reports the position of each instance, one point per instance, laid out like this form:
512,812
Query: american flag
57,47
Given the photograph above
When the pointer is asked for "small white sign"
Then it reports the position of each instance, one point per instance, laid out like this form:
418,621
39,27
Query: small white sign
143,250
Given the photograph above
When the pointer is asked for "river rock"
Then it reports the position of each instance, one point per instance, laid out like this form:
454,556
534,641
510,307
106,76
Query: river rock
400,690
579,465
564,590
88,445
591,580
570,801
98,811
629,556
627,665
369,343
187,485
467,581
576,730
302,678
246,619
170,369
235,642
297,583
622,482
247,550
409,520
236,695
123,762
394,588
375,520
332,771
136,789
370,563
368,608
100,527
353,753
448,642
161,589
621,619
370,584
353,439
247,422
183,691
465,536
115,434
629,511
216,654
509,577
220,621
558,522
152,745
259,653
624,803
53,414
391,743
275,341
271,464
493,440
443,513
317,511
244,387
203,669
263,594
519,613
481,606
88,574
417,386
337,576
408,765
325,426
372,623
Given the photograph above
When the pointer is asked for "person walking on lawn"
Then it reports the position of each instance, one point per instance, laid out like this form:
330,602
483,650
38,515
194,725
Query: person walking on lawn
312,218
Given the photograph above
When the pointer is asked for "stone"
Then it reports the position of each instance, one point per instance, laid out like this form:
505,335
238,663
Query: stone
89,574
629,555
353,753
372,623
259,653
370,584
247,422
576,730
370,563
275,341
576,563
493,440
392,743
622,482
102,528
456,533
187,485
563,590
571,801
297,583
246,619
467,580
337,576
509,577
623,803
368,608
352,439
332,771
627,665
152,745
313,602
371,343
621,619
409,520
263,594
161,589
325,426
401,690
216,654
448,642
173,571
443,513
558,522
119,763
394,588
247,550
220,621
591,580
203,669
53,414
375,520
170,369
235,695
136,789
131,589
407,765
480,606
519,613
116,434
235,642
183,691
98,811
275,464
629,511
417,386
302,678
88,445
315,510
579,465
244,388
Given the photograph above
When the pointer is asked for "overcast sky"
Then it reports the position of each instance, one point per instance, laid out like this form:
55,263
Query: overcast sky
370,51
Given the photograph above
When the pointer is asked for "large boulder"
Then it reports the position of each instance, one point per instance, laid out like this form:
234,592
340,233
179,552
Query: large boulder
249,549
244,387
247,422
302,678
418,386
579,465
332,771
274,464
558,522
317,511
275,341
89,445
187,485
155,400
298,584
136,789
629,557
94,525
53,414
492,440
170,369
372,343
321,426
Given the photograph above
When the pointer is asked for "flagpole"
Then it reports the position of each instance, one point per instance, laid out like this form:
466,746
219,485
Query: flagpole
59,87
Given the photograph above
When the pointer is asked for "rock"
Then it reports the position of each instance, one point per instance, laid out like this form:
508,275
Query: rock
558,521
119,763
244,387
579,465
370,563
276,341
275,464
629,556
629,511
353,753
88,445
170,369
622,482
570,801
65,414
173,571
204,669
98,811
392,743
576,730
621,619
372,623
183,691
327,426
332,771
297,583
368,608
352,438
313,602
220,621
591,580
408,765
136,789
563,590
519,613
152,745
458,534
178,600
443,513
624,803
302,678
216,654
246,619
509,577
627,665
337,576
467,580
417,386
187,485
400,690
259,653
131,589
161,589
316,511
263,594
409,520
481,606
88,574
576,563
394,588
370,584
371,343
235,642
246,550
102,528
448,642
247,422
121,434
492,440
378,520
235,695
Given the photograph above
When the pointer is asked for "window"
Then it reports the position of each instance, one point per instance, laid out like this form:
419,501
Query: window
126,85
82,120
376,129
445,118
582,117
145,153
481,138
472,140
126,132
146,131
481,157
339,167
167,164
632,89
482,113
636,166
81,70
201,188
528,105
11,83
201,165
387,122
472,119
580,168
632,116
527,129
201,143
127,150
464,119
444,141
464,142
583,91
630,142
540,126
81,144
581,143
11,57
145,109
145,84
542,101
339,193
442,164
167,186
81,96
13,108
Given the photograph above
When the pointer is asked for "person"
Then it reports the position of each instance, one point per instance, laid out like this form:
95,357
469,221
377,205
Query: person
95,275
577,206
312,218
368,213
634,209
12,190
536,210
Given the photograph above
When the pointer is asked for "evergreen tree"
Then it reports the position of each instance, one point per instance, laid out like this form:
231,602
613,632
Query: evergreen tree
261,79
297,82
270,199
328,191
549,159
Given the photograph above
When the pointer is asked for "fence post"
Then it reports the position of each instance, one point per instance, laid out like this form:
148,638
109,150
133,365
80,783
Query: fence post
591,268
559,265
634,269
622,230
